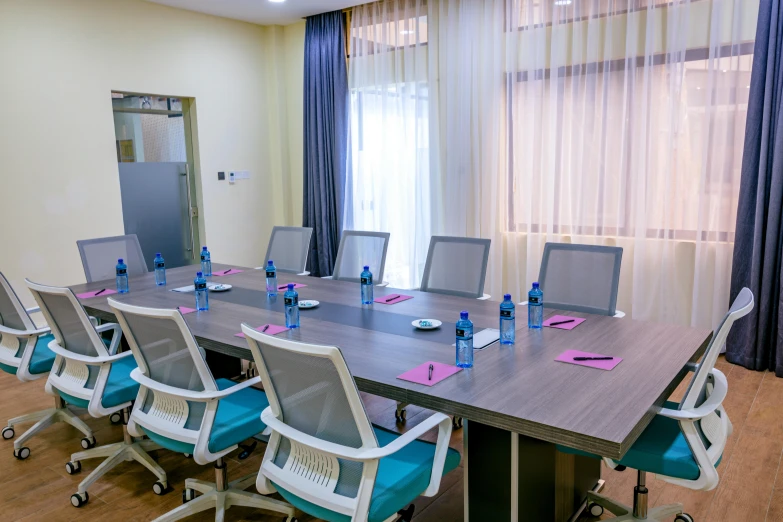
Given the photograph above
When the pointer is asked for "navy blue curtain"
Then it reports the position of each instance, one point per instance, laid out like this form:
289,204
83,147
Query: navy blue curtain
756,342
325,137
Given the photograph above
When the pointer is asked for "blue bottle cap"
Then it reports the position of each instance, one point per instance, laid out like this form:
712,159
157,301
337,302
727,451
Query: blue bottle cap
119,261
535,285
157,255
463,314
270,262
290,286
199,274
203,248
367,267
507,297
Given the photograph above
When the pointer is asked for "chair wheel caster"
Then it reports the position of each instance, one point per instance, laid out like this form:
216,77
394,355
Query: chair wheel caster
247,450
188,495
22,453
73,468
400,415
683,517
8,433
115,418
456,422
620,468
79,499
88,442
406,514
594,510
290,519
159,488
188,455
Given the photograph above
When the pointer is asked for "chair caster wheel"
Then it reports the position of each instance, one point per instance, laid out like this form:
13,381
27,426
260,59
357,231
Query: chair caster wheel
8,433
22,453
456,422
620,468
159,488
683,517
88,442
188,495
290,519
595,510
406,514
79,499
188,455
73,468
247,450
400,415
115,418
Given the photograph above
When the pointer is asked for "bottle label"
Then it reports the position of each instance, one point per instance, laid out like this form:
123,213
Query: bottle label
291,301
507,313
366,280
160,265
461,332
270,273
203,257
533,300
122,271
201,286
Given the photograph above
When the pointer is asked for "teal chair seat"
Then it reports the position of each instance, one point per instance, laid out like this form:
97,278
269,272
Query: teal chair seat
238,418
660,449
42,359
401,478
120,388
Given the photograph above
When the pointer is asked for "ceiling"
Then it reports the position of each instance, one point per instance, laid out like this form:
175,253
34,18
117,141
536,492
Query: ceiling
261,12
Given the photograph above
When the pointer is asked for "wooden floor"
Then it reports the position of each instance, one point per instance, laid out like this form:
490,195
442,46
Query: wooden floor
751,487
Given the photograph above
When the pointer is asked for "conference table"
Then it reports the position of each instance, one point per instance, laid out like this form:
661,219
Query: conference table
517,401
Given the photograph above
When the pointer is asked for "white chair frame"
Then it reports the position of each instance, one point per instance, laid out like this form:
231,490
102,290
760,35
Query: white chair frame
304,484
169,412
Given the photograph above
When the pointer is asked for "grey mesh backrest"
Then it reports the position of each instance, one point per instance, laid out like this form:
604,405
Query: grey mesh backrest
456,266
288,248
100,255
12,312
313,399
359,249
580,278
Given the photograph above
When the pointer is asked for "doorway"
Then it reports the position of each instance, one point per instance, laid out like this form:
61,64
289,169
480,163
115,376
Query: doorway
155,161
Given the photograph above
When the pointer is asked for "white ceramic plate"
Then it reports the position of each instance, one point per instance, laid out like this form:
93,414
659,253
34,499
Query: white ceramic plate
308,304
435,324
214,287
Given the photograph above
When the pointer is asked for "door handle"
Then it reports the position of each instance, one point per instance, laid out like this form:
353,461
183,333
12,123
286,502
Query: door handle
190,213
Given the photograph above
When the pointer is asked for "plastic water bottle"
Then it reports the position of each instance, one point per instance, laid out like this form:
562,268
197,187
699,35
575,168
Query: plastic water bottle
206,262
202,294
122,277
291,300
366,280
160,270
464,341
508,321
271,278
535,307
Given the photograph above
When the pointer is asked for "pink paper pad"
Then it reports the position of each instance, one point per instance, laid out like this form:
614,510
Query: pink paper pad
387,299
283,288
185,310
87,295
420,374
272,330
568,357
567,326
222,273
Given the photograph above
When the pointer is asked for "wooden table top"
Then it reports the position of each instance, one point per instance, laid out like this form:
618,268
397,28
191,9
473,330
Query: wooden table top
519,388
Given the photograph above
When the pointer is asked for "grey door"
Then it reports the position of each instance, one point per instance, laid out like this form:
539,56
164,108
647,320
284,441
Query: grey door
155,207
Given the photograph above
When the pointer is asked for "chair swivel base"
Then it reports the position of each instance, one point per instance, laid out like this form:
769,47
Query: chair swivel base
43,419
222,498
114,454
625,513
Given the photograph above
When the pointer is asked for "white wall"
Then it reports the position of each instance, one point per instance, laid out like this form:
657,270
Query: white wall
59,61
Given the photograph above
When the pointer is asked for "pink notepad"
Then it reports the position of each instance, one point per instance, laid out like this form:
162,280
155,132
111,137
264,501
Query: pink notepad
87,295
393,299
420,374
567,326
272,330
283,288
568,357
185,310
222,273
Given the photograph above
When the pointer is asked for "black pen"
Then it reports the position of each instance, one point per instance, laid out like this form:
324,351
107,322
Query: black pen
99,292
593,358
430,375
393,298
561,322
265,329
282,287
227,271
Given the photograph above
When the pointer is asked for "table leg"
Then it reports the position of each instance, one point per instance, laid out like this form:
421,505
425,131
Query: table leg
513,477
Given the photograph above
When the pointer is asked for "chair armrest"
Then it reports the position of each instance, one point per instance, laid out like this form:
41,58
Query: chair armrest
94,321
713,402
305,273
406,438
115,337
484,297
33,310
86,359
325,277
619,314
5,330
205,396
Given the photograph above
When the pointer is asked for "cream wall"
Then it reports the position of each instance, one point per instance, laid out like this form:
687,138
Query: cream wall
59,61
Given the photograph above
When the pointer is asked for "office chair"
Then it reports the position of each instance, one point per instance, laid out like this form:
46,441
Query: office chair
100,255
581,278
357,250
684,443
323,455
24,352
289,248
183,408
88,374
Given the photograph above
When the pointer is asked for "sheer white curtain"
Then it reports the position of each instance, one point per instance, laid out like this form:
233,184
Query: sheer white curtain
616,122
